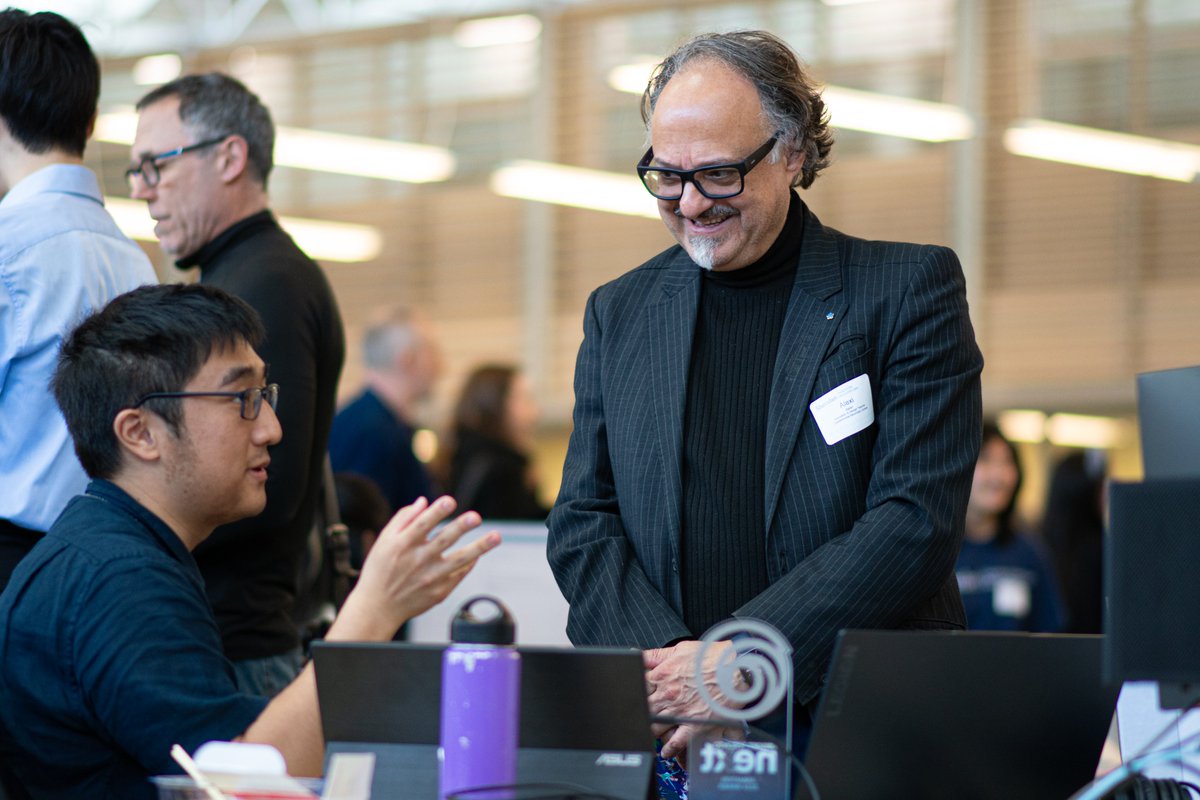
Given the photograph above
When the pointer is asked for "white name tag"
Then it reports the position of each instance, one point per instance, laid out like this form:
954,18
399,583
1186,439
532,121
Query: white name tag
844,411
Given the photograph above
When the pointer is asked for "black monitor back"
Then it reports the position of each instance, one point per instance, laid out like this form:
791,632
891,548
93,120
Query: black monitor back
1168,403
1152,595
584,719
933,715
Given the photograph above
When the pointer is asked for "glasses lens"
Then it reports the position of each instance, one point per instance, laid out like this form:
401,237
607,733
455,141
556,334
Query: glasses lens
251,403
144,170
149,172
663,185
719,182
255,398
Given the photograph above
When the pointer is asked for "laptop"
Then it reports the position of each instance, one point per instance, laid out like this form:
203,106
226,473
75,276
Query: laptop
1168,407
936,714
584,720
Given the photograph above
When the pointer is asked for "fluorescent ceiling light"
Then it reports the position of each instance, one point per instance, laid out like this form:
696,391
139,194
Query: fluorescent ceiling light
493,31
334,241
896,116
574,186
325,152
851,109
116,127
1101,149
361,155
1078,430
631,78
154,70
1023,426
321,239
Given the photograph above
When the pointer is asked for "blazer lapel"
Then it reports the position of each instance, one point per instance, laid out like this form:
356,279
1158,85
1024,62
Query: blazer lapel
671,325
814,313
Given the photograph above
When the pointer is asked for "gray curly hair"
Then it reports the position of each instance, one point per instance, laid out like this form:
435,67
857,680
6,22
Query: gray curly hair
790,99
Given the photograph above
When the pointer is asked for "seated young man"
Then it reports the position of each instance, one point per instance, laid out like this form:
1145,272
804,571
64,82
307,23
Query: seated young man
109,653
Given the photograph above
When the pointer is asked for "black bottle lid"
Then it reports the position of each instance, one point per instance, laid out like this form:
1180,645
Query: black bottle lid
468,627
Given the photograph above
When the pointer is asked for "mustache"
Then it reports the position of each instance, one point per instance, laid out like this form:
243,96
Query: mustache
715,211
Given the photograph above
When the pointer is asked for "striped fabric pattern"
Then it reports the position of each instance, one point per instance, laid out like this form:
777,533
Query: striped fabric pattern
863,533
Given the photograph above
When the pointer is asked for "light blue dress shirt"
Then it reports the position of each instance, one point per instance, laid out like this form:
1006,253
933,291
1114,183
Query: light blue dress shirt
61,258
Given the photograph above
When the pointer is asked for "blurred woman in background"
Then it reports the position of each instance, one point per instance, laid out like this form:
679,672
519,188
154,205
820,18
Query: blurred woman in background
485,462
1005,576
1073,529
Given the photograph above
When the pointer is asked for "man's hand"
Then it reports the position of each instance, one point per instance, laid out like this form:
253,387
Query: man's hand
674,692
407,572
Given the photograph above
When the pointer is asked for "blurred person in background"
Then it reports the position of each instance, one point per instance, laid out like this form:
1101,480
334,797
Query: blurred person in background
61,257
1005,575
485,461
1073,528
202,155
372,435
364,511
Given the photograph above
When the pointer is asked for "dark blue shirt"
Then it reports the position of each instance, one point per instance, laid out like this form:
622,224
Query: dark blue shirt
1009,587
368,439
109,654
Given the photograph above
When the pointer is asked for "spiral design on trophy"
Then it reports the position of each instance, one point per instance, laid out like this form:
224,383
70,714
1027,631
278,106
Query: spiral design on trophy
762,654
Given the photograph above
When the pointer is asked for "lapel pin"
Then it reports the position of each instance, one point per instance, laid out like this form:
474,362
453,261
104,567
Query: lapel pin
828,315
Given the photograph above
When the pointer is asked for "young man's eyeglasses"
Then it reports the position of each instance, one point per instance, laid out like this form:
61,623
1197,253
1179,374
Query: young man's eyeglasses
715,182
147,168
251,399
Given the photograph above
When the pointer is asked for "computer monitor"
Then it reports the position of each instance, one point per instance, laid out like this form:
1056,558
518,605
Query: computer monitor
1169,418
1152,542
1152,596
584,719
942,715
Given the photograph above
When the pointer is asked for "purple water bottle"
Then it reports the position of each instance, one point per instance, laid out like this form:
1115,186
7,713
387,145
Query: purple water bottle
481,685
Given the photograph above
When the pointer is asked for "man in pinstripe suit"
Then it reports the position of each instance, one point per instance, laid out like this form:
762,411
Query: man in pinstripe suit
773,420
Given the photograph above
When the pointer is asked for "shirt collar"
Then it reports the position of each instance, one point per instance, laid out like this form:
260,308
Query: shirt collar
109,492
57,178
235,233
782,257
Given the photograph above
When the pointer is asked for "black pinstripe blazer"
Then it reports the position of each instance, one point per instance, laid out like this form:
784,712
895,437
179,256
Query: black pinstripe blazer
863,533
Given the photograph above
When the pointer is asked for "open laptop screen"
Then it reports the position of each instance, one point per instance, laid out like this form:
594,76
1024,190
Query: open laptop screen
584,719
934,714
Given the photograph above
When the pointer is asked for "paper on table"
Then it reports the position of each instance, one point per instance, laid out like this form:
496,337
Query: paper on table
248,769
349,777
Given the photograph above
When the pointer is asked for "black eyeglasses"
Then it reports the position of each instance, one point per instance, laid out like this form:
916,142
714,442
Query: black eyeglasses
715,182
251,399
147,168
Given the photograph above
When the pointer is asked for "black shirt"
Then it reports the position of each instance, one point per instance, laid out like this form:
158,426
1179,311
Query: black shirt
491,477
250,567
109,654
723,539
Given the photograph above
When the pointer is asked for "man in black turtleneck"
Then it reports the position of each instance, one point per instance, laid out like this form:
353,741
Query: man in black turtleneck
202,154
773,420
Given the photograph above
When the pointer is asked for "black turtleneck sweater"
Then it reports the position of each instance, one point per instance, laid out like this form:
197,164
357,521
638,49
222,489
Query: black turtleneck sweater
723,541
250,567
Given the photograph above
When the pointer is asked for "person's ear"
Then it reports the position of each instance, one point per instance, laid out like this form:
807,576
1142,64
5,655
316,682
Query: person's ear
233,158
794,162
139,433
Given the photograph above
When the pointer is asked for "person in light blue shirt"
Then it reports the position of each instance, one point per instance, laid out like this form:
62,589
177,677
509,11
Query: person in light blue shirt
61,257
